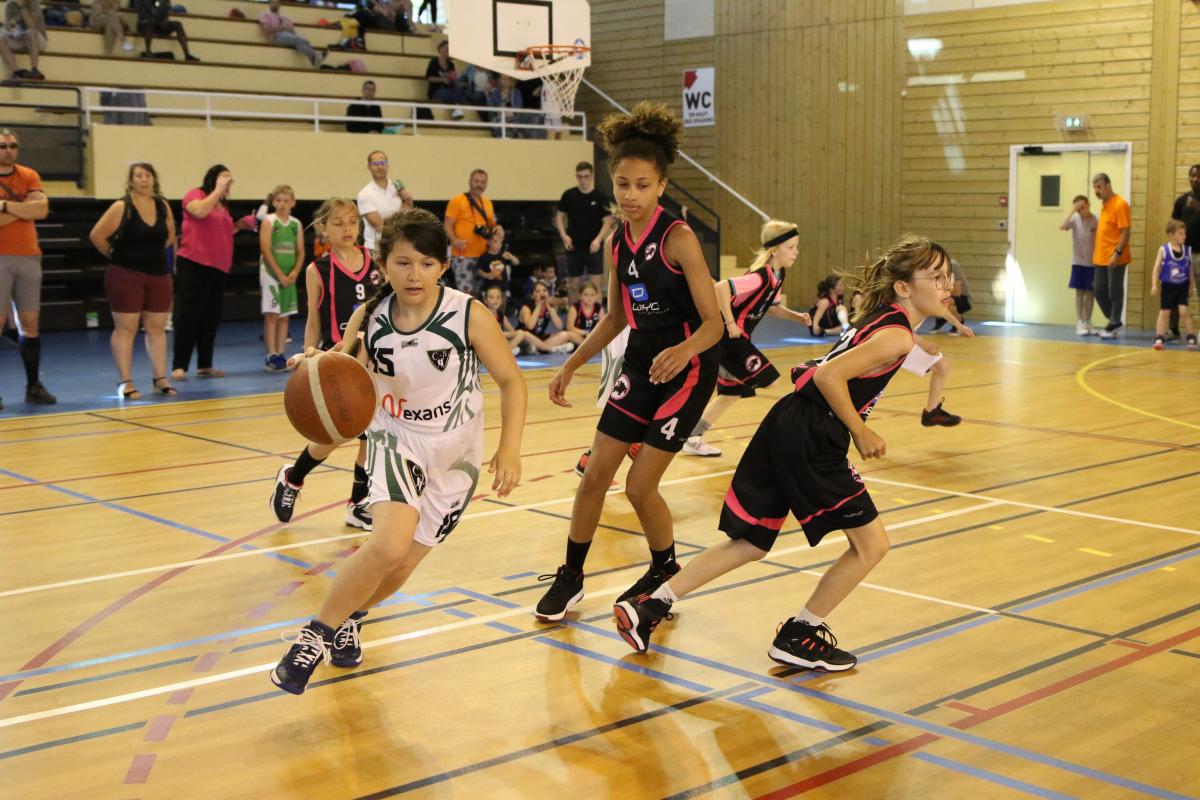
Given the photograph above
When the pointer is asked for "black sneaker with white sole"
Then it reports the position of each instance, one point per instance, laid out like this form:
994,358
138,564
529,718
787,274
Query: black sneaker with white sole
799,644
347,646
566,591
283,499
309,648
637,618
654,578
358,515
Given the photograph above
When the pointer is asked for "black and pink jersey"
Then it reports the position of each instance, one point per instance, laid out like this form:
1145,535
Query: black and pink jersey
752,295
865,390
654,292
342,291
585,321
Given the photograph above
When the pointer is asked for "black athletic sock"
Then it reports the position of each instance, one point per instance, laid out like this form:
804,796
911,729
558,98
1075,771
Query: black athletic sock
577,554
31,354
305,464
362,485
663,558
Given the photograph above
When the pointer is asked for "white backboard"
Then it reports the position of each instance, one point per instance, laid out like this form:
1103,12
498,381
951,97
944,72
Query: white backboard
489,33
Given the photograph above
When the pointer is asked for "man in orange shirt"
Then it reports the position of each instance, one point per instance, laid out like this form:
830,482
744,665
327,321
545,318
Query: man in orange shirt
1111,255
21,202
470,222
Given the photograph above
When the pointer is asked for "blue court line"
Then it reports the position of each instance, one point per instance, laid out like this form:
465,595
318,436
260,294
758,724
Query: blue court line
904,719
150,517
988,775
628,665
519,575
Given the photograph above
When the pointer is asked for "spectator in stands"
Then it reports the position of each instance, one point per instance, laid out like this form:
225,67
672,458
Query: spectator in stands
134,234
201,266
24,32
280,30
1112,255
380,198
381,15
583,219
154,19
442,76
22,201
431,5
477,84
367,109
470,222
495,265
507,95
105,16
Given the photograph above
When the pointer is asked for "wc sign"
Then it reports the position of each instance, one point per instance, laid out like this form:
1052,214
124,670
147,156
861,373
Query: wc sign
699,97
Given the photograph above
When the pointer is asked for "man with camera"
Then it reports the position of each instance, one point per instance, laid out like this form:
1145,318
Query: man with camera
470,222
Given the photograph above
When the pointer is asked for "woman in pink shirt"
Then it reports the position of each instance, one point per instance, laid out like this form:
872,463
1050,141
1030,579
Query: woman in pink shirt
201,267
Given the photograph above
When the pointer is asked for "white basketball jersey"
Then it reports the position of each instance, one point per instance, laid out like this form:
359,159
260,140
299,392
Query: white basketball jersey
427,380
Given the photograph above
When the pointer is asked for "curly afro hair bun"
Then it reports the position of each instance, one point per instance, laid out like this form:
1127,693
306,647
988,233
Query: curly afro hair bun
649,132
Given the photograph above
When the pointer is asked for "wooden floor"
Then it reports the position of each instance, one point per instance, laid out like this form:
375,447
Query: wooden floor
1035,629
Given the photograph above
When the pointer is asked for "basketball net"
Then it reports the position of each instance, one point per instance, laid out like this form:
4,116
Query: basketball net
559,85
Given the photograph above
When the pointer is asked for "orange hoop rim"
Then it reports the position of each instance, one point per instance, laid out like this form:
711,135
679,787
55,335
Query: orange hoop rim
549,51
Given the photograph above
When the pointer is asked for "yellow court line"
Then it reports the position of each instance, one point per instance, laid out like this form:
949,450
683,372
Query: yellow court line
1092,552
1083,384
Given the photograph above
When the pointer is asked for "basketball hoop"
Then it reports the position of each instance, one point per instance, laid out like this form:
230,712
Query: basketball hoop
560,77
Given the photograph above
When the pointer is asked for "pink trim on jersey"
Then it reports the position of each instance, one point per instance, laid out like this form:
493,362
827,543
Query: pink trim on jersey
366,267
764,286
678,399
734,505
835,507
662,246
335,329
658,210
728,382
805,377
629,414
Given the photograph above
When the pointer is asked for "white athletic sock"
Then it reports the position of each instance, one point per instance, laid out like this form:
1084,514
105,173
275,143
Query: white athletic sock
809,617
664,593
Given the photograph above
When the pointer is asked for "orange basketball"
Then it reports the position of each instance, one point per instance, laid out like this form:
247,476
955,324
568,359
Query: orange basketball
330,398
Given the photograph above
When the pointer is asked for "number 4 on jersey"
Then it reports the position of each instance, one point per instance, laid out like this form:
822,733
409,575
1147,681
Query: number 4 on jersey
668,428
632,271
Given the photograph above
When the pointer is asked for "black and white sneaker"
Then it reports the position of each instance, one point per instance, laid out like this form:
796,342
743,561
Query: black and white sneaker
283,499
309,648
799,644
566,591
637,619
653,579
939,416
347,646
358,515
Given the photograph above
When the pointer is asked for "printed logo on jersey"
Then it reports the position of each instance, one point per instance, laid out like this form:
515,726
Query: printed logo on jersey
754,362
651,249
408,343
439,358
639,293
418,476
620,387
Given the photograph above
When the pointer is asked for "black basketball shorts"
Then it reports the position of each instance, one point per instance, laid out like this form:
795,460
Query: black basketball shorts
744,368
796,462
660,415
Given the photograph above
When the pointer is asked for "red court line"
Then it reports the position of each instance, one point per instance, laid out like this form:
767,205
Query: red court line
180,697
207,661
957,706
1129,644
95,619
983,715
142,470
158,728
139,768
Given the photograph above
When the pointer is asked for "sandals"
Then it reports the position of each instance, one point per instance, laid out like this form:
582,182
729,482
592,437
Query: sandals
179,374
128,391
166,389
210,372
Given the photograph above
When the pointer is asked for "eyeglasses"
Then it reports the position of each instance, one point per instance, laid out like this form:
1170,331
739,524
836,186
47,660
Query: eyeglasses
940,280
378,163
9,146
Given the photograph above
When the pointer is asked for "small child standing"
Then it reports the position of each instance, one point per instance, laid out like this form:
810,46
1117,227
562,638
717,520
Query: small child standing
1172,284
281,243
495,265
1081,222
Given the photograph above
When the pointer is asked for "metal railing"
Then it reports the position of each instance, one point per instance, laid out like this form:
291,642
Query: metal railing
210,106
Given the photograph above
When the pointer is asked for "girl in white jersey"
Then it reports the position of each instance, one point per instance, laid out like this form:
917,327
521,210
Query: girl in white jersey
424,344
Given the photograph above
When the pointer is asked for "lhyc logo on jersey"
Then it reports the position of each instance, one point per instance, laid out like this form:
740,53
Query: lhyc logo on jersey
642,304
638,293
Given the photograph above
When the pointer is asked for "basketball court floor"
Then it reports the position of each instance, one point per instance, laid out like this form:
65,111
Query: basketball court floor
1035,629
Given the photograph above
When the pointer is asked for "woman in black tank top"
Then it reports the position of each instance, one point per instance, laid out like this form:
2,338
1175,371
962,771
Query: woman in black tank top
134,234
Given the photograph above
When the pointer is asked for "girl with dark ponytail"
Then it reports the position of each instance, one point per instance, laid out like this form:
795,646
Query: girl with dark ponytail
661,288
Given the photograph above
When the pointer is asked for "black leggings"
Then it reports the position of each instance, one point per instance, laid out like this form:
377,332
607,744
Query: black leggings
199,292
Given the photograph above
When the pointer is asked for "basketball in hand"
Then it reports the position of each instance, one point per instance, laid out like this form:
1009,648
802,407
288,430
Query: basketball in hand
330,398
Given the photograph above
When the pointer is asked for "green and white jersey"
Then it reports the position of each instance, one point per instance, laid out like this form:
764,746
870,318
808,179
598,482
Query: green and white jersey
426,380
283,241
